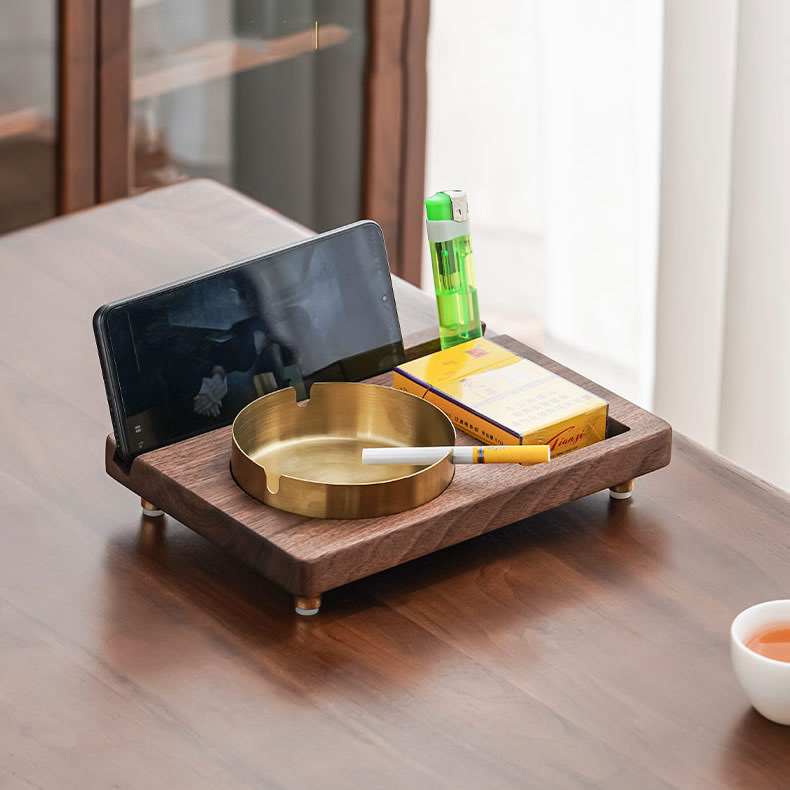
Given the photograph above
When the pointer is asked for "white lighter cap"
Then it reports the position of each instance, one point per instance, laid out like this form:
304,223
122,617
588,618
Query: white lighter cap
446,229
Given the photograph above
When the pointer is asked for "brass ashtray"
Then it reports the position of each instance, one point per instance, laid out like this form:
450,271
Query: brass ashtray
307,458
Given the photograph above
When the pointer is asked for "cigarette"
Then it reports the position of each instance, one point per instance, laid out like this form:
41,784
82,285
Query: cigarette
524,454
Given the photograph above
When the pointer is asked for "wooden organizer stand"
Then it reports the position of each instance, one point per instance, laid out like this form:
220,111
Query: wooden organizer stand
191,481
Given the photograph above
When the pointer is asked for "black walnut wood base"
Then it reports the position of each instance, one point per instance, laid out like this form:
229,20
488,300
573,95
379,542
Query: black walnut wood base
191,482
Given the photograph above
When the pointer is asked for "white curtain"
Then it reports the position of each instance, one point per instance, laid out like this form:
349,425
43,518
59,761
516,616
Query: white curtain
723,323
627,169
547,113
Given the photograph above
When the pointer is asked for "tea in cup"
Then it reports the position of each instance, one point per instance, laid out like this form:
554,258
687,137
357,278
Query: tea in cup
760,650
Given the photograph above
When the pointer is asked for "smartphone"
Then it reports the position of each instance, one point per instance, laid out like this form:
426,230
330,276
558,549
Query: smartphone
185,358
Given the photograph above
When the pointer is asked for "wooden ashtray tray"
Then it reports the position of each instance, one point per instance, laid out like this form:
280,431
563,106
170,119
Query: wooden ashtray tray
307,556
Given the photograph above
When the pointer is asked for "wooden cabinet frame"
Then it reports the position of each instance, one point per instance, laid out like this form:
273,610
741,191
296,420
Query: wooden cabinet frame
77,104
394,173
95,109
114,83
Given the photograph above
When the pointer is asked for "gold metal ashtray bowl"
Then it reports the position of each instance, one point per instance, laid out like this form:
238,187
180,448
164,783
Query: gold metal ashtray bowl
307,458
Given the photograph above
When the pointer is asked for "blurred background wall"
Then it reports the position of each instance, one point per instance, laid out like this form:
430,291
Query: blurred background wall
627,169
723,326
550,120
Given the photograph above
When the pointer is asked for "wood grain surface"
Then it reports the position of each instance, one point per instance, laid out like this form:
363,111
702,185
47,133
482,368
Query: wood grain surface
384,120
415,121
114,71
77,105
395,122
586,647
191,481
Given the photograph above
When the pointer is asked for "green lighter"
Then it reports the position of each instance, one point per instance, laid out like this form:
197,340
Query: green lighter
453,267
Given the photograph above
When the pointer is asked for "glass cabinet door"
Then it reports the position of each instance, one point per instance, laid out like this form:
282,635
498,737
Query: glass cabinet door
28,129
264,95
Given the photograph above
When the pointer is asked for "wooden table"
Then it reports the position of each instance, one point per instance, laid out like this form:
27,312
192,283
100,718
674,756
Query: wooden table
585,647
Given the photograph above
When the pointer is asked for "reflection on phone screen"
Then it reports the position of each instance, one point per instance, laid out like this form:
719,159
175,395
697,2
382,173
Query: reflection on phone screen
189,358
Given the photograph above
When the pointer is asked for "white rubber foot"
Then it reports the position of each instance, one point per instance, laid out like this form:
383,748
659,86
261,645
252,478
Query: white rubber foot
152,513
620,494
305,612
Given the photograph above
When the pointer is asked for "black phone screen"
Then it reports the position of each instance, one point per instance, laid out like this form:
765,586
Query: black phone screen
187,358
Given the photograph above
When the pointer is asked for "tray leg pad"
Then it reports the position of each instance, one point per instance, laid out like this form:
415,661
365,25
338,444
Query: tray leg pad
307,605
622,490
150,510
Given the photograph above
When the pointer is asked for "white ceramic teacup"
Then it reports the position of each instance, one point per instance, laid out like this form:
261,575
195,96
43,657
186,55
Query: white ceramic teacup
765,681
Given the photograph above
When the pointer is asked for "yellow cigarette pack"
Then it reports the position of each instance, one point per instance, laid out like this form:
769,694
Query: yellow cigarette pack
501,398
